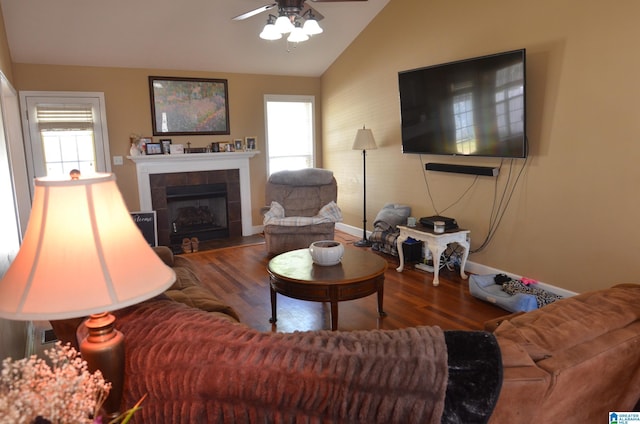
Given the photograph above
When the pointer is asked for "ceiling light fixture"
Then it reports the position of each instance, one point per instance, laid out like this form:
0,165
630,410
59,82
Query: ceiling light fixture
299,26
270,32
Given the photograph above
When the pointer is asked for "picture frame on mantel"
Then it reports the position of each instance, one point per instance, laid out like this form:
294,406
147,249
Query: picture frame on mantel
153,148
166,145
250,142
189,106
238,144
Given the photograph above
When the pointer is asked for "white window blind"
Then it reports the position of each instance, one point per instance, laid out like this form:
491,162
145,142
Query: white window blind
64,117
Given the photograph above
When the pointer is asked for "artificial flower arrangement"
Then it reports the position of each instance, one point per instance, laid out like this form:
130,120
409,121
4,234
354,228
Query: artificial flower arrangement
32,391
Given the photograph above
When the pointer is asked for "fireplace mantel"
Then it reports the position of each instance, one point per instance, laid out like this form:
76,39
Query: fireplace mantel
192,162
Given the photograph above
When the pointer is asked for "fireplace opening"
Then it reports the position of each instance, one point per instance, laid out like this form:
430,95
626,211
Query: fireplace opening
197,211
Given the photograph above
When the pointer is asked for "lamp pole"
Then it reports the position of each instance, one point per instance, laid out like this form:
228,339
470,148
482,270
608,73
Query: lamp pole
364,242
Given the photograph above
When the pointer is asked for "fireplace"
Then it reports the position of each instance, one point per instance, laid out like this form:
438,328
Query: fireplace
205,205
197,211
157,172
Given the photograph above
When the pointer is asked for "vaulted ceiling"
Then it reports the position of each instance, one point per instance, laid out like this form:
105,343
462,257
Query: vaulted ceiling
197,35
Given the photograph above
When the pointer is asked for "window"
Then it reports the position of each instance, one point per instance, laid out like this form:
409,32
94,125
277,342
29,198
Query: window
290,132
65,131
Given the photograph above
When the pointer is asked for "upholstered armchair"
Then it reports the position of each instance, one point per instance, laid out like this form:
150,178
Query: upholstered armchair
301,208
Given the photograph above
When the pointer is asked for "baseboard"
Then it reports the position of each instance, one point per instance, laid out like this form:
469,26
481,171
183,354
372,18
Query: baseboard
351,230
472,267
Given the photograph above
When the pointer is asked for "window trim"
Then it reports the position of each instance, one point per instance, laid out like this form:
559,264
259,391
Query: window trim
103,155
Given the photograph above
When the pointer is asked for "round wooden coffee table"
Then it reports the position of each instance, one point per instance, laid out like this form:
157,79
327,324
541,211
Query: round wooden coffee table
359,274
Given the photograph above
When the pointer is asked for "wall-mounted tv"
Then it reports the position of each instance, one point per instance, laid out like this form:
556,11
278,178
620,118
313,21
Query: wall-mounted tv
472,107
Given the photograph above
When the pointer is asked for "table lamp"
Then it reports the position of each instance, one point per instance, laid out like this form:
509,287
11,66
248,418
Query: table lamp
364,141
82,255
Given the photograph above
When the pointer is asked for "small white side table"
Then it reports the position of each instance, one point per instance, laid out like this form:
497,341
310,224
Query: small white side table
436,243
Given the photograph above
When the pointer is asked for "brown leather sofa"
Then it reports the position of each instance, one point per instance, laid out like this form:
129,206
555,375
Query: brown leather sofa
572,361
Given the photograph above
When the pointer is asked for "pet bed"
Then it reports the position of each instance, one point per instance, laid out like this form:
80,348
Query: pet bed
484,287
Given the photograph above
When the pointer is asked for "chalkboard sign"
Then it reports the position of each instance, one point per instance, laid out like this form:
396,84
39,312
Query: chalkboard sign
146,222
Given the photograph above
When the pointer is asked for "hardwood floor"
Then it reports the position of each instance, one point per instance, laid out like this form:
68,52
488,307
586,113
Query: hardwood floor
238,275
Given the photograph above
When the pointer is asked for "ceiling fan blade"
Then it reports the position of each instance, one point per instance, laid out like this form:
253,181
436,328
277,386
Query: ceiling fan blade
255,12
317,15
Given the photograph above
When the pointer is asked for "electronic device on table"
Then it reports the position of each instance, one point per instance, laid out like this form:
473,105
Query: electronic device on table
449,223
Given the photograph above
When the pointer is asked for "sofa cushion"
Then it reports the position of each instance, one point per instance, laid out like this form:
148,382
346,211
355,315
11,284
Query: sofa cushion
276,216
573,321
302,177
201,298
188,288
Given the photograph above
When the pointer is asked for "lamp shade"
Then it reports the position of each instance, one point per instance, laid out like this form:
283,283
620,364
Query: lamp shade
364,140
82,254
284,24
311,27
270,32
297,34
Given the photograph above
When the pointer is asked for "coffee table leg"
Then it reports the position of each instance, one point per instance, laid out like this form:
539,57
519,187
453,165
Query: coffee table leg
273,318
381,311
334,316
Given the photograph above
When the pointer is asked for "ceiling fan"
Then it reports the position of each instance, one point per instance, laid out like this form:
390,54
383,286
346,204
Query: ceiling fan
288,7
291,15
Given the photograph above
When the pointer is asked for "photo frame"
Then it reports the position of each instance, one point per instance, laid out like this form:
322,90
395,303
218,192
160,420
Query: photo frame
250,142
166,145
177,149
153,148
238,144
142,142
189,106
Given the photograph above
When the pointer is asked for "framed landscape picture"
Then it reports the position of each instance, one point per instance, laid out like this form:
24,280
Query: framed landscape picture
189,106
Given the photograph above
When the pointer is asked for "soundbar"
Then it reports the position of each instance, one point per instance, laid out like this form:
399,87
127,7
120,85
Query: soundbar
488,171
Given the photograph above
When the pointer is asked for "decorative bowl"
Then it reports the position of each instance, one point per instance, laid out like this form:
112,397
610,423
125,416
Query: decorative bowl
326,252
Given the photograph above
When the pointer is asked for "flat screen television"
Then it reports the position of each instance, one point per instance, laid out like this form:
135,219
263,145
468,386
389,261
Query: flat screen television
472,107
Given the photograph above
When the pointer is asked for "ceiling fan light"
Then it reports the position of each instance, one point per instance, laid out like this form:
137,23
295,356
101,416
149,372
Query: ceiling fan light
297,35
311,27
284,25
270,32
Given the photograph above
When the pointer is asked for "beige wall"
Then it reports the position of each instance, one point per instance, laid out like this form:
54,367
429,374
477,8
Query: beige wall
128,111
572,221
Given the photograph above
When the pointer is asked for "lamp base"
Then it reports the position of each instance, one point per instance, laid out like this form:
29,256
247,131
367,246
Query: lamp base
363,243
103,349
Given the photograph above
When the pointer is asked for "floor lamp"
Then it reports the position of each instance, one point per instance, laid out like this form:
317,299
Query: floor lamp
82,255
364,141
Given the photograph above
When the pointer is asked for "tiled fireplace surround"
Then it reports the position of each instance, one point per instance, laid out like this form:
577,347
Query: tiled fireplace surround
156,172
160,182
